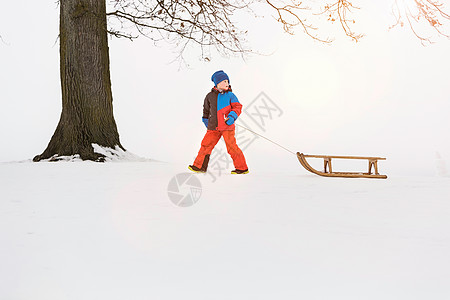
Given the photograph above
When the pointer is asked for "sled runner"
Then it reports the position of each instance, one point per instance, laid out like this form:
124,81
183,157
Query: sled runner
328,170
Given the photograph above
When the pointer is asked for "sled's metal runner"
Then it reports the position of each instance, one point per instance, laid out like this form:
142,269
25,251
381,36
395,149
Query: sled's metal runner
373,162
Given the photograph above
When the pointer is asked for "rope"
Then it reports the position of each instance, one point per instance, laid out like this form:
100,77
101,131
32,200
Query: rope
266,138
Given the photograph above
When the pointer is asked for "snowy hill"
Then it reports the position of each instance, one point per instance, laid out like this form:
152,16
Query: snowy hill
82,230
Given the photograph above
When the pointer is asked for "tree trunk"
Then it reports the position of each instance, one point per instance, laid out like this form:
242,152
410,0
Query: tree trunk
87,111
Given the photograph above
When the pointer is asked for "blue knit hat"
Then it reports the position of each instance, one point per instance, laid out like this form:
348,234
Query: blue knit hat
219,76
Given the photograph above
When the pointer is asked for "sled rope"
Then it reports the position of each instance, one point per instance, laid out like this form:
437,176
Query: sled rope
265,138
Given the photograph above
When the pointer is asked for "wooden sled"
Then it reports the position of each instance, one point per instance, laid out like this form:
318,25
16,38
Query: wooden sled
328,170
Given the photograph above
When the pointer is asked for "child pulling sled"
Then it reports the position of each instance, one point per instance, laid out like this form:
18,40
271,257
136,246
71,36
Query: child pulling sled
221,108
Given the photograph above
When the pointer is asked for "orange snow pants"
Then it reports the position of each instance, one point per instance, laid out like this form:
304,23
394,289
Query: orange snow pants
210,140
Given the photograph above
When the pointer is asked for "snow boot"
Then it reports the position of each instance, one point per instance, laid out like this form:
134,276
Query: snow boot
239,171
195,169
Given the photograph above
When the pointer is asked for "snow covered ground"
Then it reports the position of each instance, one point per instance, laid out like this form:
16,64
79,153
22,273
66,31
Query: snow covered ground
83,230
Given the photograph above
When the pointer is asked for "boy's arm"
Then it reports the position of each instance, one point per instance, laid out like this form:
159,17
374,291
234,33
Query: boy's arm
236,107
206,106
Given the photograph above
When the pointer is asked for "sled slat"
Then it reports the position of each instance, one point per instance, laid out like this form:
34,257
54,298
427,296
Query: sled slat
345,157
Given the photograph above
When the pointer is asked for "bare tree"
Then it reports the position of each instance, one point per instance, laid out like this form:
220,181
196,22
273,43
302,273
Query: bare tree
87,111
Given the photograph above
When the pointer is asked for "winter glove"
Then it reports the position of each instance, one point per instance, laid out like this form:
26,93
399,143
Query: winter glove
232,116
205,120
230,120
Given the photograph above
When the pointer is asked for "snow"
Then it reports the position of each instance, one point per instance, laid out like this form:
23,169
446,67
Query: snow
110,155
117,154
84,230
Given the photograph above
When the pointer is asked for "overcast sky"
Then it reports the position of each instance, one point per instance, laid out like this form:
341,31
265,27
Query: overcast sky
386,95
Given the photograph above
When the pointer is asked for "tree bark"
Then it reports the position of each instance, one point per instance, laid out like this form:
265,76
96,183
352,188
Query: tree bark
87,110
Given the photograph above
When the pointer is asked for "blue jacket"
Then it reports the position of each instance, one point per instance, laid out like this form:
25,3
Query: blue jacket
218,106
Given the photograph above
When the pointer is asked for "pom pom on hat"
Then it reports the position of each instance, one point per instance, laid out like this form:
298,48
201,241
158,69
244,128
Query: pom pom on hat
219,76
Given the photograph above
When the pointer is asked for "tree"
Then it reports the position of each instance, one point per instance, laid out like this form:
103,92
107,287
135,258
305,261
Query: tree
87,110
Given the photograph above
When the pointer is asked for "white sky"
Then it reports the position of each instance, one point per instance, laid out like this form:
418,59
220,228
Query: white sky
385,96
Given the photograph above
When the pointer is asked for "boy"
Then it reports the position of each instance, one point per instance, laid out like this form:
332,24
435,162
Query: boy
220,109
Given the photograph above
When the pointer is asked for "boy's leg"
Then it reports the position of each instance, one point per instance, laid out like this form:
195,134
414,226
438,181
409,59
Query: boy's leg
209,141
233,149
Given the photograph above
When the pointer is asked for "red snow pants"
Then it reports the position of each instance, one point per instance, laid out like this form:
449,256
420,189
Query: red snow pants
210,140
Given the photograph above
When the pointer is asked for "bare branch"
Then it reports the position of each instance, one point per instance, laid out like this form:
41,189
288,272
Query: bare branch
337,11
207,24
289,18
423,14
